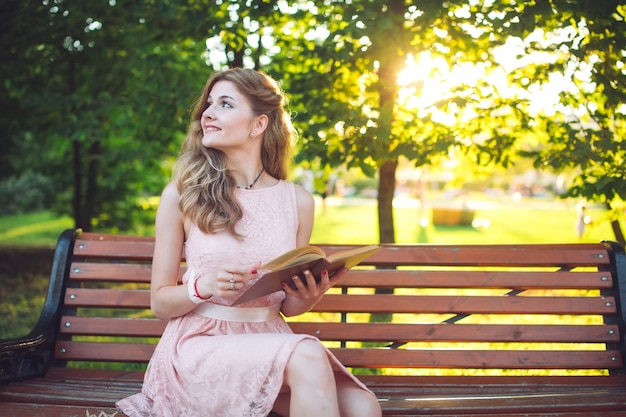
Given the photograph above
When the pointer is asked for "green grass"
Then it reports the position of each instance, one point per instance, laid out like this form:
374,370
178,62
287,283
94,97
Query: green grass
353,222
21,307
32,229
522,222
24,276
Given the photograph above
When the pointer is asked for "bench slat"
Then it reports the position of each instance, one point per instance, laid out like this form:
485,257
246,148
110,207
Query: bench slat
394,358
577,402
459,332
465,304
41,391
104,352
126,272
373,332
463,384
101,326
137,249
81,297
54,410
487,255
94,245
110,272
393,278
479,359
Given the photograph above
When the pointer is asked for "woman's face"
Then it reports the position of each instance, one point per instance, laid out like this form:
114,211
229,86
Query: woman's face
228,119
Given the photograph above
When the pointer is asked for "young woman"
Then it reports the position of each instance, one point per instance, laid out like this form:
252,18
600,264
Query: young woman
230,209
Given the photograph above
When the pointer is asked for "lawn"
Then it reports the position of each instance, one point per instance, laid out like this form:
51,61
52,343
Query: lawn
499,222
355,221
32,229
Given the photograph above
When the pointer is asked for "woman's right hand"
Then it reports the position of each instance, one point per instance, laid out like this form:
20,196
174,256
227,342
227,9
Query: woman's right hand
226,281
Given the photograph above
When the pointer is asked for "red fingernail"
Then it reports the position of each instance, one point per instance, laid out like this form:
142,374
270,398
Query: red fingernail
254,271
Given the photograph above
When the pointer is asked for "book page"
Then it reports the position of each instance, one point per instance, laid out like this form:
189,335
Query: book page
353,257
294,256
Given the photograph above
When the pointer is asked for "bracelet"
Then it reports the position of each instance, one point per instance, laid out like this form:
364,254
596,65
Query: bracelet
192,289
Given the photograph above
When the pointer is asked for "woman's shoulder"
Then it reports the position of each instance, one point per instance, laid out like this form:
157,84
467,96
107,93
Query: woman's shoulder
304,198
170,195
168,214
170,191
301,194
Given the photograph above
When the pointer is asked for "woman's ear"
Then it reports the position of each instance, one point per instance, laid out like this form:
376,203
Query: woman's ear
260,124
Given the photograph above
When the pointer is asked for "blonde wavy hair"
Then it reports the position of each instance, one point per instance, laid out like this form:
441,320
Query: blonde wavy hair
206,187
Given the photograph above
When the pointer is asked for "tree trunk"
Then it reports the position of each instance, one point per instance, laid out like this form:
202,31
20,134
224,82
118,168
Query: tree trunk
77,199
91,183
387,234
386,189
617,230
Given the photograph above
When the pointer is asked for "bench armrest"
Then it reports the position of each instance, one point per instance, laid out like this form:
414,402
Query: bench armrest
30,356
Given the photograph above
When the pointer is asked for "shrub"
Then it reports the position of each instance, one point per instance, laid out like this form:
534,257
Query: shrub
27,192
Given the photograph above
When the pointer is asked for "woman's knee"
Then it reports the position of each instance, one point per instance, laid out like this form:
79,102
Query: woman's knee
369,406
309,351
355,401
309,360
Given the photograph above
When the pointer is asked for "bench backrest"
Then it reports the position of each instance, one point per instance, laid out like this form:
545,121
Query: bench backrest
411,309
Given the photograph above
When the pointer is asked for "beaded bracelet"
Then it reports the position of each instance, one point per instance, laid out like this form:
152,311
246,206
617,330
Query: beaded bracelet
192,289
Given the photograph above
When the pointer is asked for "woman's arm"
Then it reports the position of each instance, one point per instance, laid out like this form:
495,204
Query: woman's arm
309,292
167,299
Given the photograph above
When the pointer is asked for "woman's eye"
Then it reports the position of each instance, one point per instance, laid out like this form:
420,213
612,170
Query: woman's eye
221,104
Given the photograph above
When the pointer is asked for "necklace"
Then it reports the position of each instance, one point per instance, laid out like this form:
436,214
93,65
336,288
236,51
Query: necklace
253,182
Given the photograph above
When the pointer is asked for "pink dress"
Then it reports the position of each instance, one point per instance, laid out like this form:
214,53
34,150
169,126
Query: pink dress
207,366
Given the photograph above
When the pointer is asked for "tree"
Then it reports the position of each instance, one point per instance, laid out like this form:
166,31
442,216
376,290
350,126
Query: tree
100,87
585,47
346,85
95,95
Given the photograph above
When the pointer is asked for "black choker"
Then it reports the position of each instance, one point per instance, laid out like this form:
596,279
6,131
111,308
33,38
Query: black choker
253,182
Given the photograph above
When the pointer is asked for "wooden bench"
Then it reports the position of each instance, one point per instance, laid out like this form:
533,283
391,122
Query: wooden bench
493,330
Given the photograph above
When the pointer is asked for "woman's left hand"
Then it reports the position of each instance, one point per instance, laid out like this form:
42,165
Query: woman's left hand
308,288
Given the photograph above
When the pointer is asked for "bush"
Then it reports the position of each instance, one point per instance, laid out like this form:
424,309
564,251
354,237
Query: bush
25,193
363,185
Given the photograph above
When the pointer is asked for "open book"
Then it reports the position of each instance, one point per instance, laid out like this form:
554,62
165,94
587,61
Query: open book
296,261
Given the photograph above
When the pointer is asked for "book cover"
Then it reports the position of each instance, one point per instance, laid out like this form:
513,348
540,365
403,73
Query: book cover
296,261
